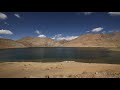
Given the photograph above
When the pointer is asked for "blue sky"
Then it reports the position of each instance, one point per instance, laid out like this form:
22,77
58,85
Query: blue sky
57,25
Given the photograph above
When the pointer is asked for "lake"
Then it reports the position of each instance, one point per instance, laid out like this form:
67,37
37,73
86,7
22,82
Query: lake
49,54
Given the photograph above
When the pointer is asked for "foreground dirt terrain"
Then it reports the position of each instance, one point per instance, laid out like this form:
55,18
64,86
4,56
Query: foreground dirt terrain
66,69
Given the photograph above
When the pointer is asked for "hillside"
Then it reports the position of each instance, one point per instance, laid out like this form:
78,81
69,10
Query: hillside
7,43
38,42
87,40
95,40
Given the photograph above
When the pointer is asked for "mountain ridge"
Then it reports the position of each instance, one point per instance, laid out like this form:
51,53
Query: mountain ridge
86,40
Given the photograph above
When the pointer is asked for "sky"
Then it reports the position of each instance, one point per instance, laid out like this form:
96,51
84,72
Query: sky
57,25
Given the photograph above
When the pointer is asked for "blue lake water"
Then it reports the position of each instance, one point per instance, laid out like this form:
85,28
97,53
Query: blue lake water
88,55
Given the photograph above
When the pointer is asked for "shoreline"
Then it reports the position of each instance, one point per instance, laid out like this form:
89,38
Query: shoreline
65,69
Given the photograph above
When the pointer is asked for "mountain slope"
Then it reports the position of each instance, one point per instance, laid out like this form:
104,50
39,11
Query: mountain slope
95,40
7,43
38,42
25,41
87,40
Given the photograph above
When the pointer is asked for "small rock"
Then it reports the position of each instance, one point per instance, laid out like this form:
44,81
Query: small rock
96,73
51,67
25,65
25,77
47,76
47,69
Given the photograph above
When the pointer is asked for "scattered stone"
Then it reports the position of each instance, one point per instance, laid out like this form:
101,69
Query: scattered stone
25,65
60,76
51,67
70,76
47,69
25,77
84,73
96,73
47,76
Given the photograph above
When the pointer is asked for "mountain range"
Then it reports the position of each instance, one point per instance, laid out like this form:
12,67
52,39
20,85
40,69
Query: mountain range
86,40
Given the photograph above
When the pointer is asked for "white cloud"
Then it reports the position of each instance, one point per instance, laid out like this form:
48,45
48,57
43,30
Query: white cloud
42,36
37,32
60,37
17,15
70,37
87,13
3,16
103,32
57,36
87,31
6,23
97,29
114,13
6,32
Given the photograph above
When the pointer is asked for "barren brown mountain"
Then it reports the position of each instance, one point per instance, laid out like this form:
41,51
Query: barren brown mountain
7,43
25,41
95,40
63,41
87,40
38,42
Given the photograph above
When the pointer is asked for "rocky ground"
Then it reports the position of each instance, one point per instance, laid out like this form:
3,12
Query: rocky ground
66,69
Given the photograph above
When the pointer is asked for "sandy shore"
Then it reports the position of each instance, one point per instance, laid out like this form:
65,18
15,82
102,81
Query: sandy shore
64,69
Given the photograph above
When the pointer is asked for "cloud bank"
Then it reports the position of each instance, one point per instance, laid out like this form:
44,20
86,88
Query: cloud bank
87,13
60,37
42,36
17,15
3,16
114,13
37,32
97,29
7,32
